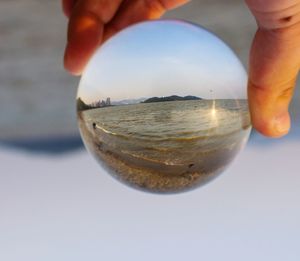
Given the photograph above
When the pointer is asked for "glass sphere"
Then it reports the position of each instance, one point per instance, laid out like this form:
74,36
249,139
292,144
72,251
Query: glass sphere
163,106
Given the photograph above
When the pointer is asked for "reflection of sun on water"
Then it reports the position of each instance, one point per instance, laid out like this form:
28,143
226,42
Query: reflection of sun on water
214,114
213,110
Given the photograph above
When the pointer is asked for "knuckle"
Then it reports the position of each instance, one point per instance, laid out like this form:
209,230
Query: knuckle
103,9
279,19
287,93
270,92
257,87
290,33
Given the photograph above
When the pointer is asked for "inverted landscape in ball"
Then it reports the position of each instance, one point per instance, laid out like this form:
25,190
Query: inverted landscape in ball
163,106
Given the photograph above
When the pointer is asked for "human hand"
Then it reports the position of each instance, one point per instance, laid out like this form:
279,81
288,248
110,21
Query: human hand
94,21
274,64
274,58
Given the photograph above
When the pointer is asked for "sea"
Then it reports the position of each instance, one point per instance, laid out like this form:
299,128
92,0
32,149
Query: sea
174,132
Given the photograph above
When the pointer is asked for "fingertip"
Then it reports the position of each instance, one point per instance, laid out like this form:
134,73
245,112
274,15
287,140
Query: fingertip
282,124
269,108
272,127
71,64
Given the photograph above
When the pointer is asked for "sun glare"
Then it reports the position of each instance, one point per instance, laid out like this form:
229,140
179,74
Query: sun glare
213,110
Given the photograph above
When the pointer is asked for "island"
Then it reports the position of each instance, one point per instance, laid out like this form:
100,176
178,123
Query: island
83,106
171,98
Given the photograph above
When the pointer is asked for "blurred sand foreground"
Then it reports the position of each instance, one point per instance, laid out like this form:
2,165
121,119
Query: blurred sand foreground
38,97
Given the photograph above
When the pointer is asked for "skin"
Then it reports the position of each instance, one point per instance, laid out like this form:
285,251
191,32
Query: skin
274,56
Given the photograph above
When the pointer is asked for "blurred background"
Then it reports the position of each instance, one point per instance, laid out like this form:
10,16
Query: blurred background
56,203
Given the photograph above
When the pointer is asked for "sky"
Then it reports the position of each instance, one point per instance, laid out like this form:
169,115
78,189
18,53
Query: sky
163,58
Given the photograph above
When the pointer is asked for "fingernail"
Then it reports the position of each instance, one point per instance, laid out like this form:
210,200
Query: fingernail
282,124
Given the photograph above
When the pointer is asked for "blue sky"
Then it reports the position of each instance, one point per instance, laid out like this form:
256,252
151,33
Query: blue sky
163,58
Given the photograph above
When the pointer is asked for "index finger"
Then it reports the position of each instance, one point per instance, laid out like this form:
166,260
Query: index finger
132,11
85,31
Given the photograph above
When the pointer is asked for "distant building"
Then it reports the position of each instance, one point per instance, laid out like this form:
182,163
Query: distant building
102,103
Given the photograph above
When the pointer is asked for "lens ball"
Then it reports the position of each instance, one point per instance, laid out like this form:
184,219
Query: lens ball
163,106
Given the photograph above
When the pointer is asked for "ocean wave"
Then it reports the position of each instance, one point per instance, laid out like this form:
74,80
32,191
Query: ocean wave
175,137
156,138
106,131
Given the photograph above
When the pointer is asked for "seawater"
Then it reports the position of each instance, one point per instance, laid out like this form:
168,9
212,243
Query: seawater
174,132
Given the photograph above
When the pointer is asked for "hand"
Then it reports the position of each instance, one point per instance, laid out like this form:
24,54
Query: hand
274,64
274,58
93,21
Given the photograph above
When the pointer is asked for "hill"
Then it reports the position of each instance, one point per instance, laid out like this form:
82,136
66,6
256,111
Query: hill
171,98
81,106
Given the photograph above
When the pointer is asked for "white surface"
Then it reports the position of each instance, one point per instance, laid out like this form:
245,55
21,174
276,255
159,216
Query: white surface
66,208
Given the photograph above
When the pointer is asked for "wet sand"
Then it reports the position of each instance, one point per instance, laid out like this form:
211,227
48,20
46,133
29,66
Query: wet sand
157,176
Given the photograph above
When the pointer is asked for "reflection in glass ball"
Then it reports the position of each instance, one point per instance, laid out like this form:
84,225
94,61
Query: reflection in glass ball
163,106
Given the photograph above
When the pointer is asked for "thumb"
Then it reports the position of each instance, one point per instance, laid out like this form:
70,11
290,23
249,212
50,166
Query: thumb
274,64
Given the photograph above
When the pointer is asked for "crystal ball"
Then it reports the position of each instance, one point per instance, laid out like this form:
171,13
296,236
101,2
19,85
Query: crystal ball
163,106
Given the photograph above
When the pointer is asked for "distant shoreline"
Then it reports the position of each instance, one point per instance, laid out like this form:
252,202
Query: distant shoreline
79,108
